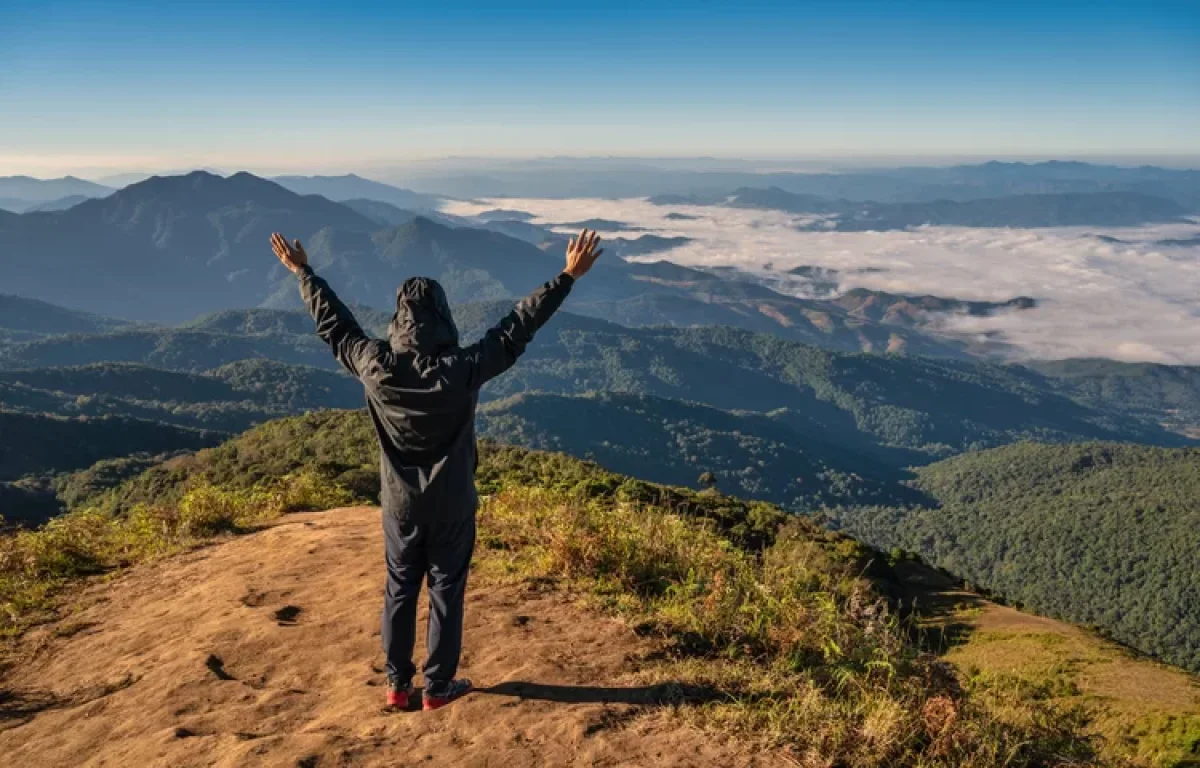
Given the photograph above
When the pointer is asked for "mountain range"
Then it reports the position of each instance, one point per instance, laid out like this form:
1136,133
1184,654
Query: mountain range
1069,209
36,443
19,194
620,179
352,187
235,368
165,247
171,248
31,318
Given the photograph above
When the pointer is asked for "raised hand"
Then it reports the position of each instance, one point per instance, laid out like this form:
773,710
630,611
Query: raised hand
291,254
582,253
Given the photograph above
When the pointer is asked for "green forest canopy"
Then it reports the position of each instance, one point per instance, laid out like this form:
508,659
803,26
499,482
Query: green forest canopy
1097,533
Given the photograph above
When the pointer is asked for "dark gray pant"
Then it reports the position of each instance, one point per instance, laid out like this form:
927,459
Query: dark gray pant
437,551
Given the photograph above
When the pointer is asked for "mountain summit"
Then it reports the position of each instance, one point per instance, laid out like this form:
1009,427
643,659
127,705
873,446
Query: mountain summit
167,248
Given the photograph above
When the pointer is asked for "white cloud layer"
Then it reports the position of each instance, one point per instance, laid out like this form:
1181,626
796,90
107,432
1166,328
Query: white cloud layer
1131,300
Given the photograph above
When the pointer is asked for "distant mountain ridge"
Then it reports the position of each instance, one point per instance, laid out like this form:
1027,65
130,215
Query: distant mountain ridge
171,248
35,443
35,317
167,248
351,186
45,190
61,204
230,397
1106,208
899,407
619,179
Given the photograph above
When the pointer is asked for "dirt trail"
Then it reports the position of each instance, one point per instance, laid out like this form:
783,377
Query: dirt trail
264,650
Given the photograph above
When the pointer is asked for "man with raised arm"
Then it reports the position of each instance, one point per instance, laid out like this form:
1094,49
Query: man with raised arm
421,389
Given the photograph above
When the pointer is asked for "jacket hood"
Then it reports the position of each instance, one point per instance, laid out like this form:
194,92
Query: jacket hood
422,323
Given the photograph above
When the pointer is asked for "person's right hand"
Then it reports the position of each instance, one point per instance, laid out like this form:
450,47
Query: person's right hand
291,254
582,253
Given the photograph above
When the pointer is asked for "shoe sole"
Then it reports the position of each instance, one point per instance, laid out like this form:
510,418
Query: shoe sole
430,704
400,702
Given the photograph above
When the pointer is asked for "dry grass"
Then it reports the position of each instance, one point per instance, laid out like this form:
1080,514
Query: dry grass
36,565
801,650
1142,712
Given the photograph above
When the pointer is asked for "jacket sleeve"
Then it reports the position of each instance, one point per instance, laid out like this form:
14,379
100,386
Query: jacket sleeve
500,347
336,325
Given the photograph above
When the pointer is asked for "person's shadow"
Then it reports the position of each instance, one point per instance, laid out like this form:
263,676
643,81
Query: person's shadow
662,694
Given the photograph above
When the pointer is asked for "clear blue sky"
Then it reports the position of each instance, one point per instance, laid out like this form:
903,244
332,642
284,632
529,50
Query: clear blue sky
309,86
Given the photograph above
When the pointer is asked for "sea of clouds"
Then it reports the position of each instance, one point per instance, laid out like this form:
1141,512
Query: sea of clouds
1133,300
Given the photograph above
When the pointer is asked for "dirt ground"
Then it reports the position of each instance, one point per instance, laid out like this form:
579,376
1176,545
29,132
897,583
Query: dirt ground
264,650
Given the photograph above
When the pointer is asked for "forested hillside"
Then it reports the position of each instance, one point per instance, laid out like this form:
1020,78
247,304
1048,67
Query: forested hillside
1167,393
175,349
38,318
899,410
231,370
675,442
936,407
1097,533
35,444
230,398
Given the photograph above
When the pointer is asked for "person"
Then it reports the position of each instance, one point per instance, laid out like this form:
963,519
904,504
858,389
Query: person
421,390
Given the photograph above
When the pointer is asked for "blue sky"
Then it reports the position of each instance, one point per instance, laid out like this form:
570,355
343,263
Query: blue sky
103,86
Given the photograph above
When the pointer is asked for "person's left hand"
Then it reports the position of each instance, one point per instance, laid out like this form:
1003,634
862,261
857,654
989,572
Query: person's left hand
292,255
582,253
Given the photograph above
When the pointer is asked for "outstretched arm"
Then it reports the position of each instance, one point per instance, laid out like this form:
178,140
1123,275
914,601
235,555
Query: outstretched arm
503,344
335,323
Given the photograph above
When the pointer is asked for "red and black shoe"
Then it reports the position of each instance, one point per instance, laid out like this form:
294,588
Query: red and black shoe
399,697
443,695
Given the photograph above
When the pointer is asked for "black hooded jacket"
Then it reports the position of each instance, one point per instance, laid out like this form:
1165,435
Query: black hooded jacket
422,387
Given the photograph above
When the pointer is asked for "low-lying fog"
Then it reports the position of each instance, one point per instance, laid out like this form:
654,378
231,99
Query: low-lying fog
1103,292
